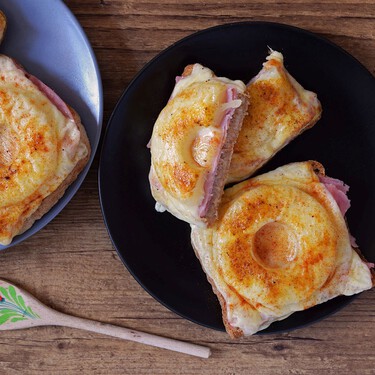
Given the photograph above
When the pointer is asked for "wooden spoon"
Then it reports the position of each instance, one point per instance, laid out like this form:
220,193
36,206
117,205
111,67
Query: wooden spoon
19,309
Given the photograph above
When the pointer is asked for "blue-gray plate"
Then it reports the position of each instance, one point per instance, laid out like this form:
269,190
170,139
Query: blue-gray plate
45,37
156,247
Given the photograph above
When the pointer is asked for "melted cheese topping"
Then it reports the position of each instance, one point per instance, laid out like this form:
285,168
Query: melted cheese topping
187,139
39,147
280,245
280,108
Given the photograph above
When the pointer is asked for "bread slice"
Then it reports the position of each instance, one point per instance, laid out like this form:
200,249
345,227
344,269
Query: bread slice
280,245
192,144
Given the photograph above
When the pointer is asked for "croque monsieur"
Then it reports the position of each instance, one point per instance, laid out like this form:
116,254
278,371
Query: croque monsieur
43,147
280,245
192,144
279,110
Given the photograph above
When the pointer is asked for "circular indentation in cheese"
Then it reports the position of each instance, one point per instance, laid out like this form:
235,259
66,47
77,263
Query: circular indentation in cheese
275,245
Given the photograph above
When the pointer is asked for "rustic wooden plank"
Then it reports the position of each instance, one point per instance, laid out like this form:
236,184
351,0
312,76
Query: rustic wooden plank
76,272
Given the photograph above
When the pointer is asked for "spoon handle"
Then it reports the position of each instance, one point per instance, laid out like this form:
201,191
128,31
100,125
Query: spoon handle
130,334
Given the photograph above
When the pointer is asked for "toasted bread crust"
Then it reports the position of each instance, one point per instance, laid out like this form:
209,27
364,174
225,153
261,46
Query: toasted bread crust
222,170
234,332
317,167
188,70
54,197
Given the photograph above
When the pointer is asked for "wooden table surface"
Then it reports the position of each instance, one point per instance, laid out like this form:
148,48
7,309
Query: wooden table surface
72,266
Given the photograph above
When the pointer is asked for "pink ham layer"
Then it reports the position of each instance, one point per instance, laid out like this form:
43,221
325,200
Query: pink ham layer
338,190
49,93
209,182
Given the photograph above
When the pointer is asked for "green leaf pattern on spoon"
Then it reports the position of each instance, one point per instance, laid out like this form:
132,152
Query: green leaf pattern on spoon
13,307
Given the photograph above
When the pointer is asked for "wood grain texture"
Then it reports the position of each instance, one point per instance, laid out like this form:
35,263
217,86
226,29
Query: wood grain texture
72,266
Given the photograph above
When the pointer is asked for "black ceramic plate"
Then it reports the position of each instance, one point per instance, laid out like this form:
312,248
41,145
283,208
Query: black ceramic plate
156,247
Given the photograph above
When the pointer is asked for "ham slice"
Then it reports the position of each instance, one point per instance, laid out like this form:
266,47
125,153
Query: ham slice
52,96
338,191
210,179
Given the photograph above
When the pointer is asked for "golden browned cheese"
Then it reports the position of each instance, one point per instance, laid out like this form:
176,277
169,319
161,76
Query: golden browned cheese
266,251
39,147
187,140
280,245
279,110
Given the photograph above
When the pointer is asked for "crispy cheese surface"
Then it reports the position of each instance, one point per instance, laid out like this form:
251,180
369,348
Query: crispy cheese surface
39,147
